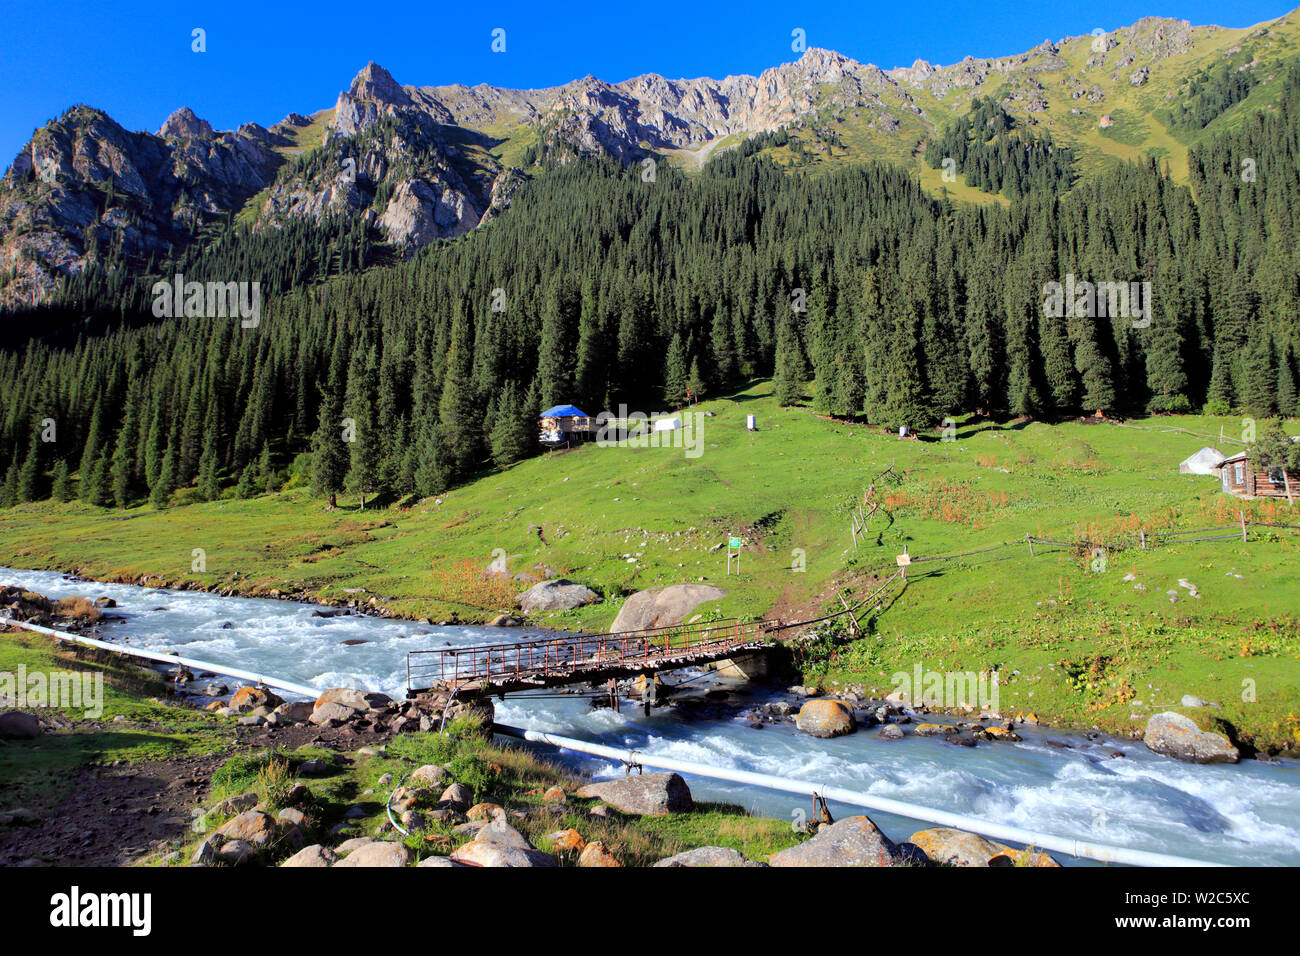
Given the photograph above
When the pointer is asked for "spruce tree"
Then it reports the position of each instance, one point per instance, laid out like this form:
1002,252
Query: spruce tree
160,493
510,438
30,477
62,490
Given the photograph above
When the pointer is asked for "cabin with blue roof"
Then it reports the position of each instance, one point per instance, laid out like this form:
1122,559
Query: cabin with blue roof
565,424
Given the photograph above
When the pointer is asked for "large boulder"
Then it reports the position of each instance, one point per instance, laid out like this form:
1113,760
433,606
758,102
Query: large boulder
661,607
957,847
251,826
355,699
430,774
498,831
314,855
650,794
295,711
1174,735
708,856
826,718
485,853
15,725
331,711
596,854
556,595
854,841
251,698
378,853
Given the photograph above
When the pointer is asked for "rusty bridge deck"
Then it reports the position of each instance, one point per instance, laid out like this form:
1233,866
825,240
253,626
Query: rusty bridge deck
492,669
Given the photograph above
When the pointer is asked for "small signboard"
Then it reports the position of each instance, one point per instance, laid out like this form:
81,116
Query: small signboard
734,543
733,552
903,559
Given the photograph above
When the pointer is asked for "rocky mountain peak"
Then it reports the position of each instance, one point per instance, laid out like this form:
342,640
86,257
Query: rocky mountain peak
377,84
183,124
825,66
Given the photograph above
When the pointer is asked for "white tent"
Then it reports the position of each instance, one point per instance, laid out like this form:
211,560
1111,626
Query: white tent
1204,462
667,424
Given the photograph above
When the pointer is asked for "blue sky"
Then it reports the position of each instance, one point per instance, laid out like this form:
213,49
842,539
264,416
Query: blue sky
265,59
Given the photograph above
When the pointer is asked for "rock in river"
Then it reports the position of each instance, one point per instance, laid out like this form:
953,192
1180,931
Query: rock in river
1174,735
826,718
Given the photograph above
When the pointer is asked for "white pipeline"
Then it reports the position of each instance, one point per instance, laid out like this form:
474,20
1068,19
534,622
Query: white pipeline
957,821
300,689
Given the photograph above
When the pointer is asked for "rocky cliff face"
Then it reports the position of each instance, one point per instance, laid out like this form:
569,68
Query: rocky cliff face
84,184
391,161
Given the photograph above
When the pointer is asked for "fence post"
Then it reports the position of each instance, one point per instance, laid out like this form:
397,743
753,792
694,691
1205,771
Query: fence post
1030,542
1242,515
1142,537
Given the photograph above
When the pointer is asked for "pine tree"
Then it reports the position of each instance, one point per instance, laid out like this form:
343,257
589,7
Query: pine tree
30,476
1221,398
1259,378
1288,401
62,490
95,438
365,452
246,487
788,384
209,484
101,481
160,493
9,490
676,371
510,438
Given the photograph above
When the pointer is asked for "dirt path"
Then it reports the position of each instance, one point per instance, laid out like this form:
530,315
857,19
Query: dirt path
118,815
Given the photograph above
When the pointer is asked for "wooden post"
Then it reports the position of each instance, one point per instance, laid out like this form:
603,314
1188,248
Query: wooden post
1142,537
1242,515
853,622
1030,542
1286,483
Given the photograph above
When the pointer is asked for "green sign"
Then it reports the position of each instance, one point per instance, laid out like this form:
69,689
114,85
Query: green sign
734,543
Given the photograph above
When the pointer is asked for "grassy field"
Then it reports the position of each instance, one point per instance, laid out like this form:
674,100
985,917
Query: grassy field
1076,640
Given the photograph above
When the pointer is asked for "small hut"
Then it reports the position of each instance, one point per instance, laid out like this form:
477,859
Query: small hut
1245,478
565,423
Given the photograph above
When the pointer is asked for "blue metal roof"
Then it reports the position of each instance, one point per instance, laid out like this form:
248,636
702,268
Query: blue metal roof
563,411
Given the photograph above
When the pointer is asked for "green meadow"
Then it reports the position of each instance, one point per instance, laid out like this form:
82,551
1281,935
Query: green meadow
1078,637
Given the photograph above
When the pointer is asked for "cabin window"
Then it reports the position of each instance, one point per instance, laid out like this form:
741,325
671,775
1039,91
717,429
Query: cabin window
1237,474
1275,476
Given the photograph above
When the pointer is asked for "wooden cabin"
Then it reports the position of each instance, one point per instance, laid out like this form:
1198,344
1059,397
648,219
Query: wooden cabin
564,424
1248,479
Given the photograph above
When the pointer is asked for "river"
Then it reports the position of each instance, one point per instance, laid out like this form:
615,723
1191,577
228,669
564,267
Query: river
1247,814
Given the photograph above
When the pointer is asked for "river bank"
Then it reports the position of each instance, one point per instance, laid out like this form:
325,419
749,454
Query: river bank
1054,781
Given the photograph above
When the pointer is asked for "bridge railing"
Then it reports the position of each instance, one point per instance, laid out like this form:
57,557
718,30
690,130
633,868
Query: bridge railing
544,659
